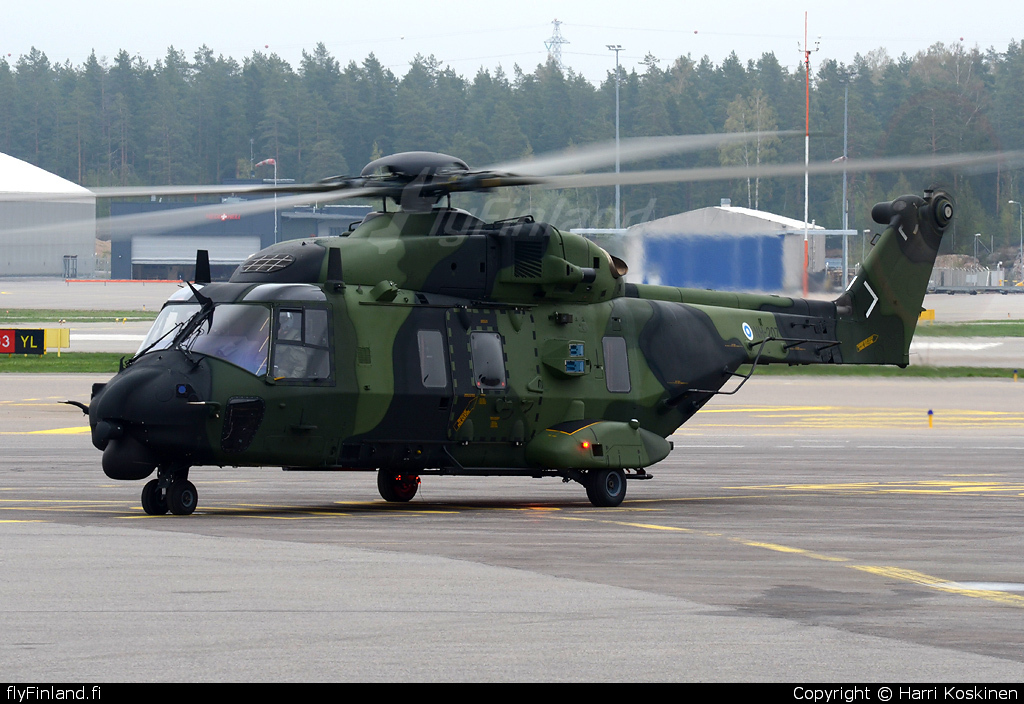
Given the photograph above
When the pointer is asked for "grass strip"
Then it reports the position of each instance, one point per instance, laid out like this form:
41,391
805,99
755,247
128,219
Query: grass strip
68,362
50,316
914,370
983,328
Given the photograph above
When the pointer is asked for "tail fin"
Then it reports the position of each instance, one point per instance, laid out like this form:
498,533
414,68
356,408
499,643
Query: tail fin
878,313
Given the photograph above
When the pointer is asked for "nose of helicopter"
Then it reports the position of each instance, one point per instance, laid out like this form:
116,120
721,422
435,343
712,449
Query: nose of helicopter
151,413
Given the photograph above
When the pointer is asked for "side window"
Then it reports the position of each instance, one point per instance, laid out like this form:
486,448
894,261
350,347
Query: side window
616,365
488,360
301,344
433,371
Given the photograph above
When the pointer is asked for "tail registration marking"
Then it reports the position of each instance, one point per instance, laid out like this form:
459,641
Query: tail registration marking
874,299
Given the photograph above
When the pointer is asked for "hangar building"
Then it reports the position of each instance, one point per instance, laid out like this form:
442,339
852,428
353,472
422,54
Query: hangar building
52,237
724,248
229,236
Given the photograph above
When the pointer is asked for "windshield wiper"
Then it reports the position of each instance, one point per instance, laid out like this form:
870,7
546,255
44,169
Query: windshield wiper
153,344
204,314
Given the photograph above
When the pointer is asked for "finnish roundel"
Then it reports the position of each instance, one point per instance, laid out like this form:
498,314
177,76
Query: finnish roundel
748,332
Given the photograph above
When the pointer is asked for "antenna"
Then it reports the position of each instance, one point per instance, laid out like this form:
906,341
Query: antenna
554,44
807,139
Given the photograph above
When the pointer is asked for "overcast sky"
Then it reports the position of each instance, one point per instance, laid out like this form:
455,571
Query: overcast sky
467,35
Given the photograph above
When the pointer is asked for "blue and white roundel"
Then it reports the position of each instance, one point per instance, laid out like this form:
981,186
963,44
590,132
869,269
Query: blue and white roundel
748,332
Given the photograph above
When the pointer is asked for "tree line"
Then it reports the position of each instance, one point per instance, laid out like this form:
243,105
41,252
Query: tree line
206,118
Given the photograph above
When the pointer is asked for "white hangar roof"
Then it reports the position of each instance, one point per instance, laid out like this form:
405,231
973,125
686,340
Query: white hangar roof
17,176
720,220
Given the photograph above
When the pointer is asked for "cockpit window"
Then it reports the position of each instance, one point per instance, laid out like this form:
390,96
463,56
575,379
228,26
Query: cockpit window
301,345
238,334
162,333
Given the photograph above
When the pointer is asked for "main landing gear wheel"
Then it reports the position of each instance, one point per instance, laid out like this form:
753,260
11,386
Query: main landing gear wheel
182,497
153,501
397,487
606,487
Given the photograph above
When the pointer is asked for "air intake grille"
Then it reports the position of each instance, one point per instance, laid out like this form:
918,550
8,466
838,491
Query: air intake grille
528,256
267,263
242,419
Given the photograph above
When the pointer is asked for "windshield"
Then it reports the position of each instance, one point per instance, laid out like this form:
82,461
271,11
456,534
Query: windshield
160,335
239,334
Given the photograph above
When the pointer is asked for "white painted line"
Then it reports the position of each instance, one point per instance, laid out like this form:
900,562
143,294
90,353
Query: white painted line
94,337
681,446
960,346
984,586
907,447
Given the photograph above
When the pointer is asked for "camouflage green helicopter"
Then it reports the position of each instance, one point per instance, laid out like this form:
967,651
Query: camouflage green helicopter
429,342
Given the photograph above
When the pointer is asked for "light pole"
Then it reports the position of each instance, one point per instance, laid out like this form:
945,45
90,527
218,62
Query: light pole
1020,212
272,162
618,208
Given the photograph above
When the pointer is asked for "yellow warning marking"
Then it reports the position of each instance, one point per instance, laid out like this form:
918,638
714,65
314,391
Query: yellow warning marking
755,409
56,431
285,518
854,417
469,409
651,526
867,342
785,548
102,502
49,404
918,487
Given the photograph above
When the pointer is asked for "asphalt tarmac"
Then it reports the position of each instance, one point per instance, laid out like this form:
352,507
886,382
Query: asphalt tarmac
802,530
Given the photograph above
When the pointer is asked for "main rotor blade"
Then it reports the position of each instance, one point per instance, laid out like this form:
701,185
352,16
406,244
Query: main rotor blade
573,159
973,163
125,226
591,156
170,191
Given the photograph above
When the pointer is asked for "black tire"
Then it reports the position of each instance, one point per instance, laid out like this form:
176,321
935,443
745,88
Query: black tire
397,487
182,497
606,487
153,501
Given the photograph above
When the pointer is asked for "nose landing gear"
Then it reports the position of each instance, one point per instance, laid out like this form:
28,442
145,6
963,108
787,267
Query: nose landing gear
153,501
170,491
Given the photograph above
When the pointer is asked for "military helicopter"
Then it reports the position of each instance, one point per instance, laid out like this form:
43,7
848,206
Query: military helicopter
429,342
